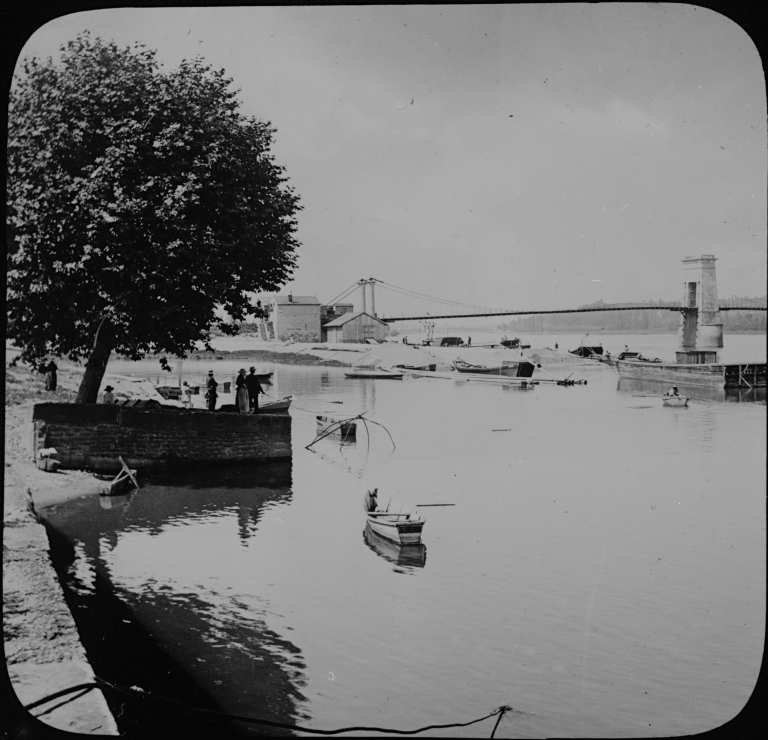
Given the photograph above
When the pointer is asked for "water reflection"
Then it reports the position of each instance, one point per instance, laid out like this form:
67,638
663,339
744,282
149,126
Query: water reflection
406,556
700,393
156,572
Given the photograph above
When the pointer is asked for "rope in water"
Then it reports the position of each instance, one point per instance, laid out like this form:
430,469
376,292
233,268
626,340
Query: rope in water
133,691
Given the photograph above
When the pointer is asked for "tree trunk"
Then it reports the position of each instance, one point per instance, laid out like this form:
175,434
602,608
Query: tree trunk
95,369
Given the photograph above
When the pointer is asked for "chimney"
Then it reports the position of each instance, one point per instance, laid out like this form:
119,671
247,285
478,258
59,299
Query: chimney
290,298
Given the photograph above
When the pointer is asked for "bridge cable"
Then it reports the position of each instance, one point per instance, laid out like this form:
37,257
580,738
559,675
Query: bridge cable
413,294
416,294
750,300
343,293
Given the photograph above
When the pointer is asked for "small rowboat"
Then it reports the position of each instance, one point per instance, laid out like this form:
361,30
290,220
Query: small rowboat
427,368
347,429
394,521
374,373
282,405
675,400
467,367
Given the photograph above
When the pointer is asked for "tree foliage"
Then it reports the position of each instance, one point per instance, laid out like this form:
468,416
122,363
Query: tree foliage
139,200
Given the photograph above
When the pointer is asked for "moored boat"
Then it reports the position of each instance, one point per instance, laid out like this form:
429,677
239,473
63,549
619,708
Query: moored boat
593,352
467,367
428,368
393,520
281,405
675,400
509,368
347,429
373,373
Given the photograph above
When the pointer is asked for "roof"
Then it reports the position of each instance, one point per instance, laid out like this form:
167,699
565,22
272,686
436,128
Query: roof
344,318
301,300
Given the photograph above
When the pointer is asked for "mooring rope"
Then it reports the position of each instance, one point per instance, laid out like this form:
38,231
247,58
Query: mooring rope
135,691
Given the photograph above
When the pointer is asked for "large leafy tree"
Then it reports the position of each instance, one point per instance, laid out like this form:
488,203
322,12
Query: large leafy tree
139,201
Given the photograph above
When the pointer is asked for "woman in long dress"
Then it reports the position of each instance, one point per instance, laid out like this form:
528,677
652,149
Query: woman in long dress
241,397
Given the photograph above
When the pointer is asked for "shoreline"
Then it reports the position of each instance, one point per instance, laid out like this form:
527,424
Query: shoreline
42,646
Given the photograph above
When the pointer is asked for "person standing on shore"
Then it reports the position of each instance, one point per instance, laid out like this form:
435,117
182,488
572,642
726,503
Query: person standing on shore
241,394
108,395
254,388
210,394
51,380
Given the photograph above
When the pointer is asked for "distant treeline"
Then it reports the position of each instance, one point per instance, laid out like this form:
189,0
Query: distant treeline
643,320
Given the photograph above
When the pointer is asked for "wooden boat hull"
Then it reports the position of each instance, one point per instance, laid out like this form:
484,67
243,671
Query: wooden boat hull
269,408
124,485
384,374
347,430
427,368
675,401
711,375
396,529
477,370
403,555
393,521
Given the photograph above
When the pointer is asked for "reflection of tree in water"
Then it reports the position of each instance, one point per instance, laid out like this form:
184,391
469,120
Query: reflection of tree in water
210,651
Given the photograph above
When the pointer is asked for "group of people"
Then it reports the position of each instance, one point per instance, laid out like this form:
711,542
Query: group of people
247,390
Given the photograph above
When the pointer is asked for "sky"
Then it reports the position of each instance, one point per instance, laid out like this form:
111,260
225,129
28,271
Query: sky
500,156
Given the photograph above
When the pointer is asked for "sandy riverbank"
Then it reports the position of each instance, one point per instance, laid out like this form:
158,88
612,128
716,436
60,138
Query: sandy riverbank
42,647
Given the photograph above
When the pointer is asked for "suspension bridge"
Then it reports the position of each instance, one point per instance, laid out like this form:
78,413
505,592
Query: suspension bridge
740,304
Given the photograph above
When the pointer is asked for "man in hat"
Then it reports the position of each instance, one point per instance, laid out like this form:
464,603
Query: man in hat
254,388
672,391
211,395
108,396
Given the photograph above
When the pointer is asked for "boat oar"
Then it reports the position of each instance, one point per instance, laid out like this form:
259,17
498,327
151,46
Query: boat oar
435,504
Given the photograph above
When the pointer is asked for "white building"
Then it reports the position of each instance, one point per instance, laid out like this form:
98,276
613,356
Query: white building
295,317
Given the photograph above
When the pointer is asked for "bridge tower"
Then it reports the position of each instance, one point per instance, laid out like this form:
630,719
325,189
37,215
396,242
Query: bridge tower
701,329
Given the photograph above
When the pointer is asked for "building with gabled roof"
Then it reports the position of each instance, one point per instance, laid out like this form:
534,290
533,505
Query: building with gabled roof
295,317
355,328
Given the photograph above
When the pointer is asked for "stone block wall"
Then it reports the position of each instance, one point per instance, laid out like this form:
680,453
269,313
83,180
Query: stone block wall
90,437
297,321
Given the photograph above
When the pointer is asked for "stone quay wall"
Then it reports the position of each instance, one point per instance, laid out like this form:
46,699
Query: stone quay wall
90,437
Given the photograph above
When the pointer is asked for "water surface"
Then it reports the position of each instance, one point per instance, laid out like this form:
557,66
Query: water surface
602,569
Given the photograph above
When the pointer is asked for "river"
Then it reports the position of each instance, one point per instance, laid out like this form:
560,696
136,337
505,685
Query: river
600,567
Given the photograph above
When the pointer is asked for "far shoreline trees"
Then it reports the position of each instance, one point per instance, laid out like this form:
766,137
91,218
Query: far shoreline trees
634,321
139,202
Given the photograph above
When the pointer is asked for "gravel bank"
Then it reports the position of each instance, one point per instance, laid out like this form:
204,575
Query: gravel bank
42,647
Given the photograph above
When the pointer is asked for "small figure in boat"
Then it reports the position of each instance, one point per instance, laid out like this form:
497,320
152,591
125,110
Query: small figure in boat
555,345
672,391
108,395
469,341
370,500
